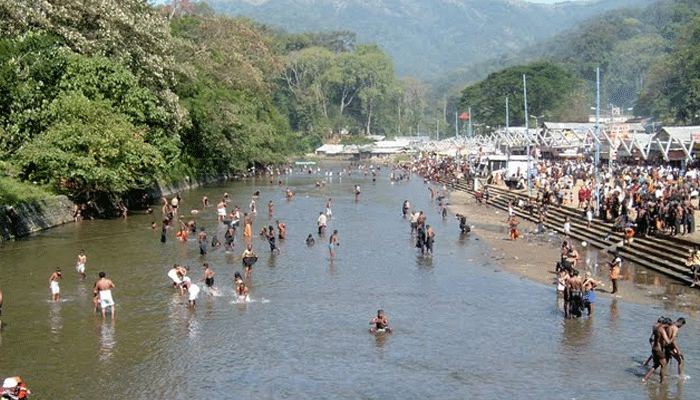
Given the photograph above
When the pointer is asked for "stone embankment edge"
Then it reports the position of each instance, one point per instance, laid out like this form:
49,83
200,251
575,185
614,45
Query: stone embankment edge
34,216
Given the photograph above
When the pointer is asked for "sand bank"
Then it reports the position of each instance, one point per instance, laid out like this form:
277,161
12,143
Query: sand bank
534,256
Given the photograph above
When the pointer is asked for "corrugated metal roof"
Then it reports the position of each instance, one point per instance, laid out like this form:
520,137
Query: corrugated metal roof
682,133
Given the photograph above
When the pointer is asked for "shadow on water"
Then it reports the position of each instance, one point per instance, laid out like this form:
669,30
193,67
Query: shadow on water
424,261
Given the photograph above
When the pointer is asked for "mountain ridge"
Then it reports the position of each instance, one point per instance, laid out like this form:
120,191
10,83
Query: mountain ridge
426,38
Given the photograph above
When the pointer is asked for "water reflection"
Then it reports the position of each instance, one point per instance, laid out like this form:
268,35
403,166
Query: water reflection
107,341
664,391
424,261
55,320
614,315
381,339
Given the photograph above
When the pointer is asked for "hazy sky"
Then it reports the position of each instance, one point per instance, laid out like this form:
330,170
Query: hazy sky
547,1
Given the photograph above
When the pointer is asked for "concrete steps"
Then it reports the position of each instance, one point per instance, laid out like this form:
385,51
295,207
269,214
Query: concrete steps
659,253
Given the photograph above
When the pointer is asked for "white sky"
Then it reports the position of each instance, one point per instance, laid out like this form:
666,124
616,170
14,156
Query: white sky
547,1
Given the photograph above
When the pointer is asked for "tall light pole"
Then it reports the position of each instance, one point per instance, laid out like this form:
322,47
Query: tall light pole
597,141
527,134
507,123
456,124
469,111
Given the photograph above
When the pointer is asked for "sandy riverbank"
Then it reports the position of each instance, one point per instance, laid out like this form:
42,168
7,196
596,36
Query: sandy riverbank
534,257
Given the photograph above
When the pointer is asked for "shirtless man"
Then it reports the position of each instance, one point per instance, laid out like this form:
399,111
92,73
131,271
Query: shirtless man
333,243
575,287
103,288
208,276
80,265
282,229
53,284
658,323
615,265
249,258
672,349
202,239
429,238
659,340
380,322
572,256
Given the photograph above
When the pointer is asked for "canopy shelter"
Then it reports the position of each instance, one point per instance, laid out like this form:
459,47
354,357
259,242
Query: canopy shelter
675,143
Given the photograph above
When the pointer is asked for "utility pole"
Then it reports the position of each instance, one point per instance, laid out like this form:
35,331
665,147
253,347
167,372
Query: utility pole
527,134
507,123
470,133
456,124
437,128
597,142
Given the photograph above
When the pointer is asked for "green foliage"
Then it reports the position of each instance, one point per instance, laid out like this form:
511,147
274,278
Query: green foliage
89,147
548,87
672,88
228,95
324,92
13,192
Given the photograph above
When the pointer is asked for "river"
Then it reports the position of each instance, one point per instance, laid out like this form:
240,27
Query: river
463,327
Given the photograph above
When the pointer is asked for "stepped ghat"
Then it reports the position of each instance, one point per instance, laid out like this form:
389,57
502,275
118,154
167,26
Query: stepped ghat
661,253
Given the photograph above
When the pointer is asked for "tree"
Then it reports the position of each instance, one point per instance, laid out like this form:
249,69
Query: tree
89,148
548,86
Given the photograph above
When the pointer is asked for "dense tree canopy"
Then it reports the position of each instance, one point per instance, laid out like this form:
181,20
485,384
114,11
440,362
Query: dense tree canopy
550,90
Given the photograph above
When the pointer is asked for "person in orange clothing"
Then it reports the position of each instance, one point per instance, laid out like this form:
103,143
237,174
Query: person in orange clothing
14,388
513,222
615,271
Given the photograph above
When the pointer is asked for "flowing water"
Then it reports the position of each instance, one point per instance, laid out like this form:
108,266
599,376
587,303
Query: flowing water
463,327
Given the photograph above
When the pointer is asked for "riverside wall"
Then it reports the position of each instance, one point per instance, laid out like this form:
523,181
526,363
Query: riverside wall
34,216
26,218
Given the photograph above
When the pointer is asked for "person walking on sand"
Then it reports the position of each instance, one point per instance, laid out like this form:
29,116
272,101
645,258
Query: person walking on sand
615,266
513,222
53,284
103,288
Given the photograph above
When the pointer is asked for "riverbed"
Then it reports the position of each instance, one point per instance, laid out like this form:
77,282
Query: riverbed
463,326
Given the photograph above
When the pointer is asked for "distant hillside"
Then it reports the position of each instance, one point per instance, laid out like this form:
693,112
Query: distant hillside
426,38
623,43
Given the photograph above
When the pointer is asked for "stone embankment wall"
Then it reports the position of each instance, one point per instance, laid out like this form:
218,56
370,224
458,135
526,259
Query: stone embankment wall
27,218
34,216
171,189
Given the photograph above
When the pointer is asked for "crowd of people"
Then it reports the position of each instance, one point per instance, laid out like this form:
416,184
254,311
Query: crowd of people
638,200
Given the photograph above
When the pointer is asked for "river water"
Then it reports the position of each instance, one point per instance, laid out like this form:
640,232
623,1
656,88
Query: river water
463,327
